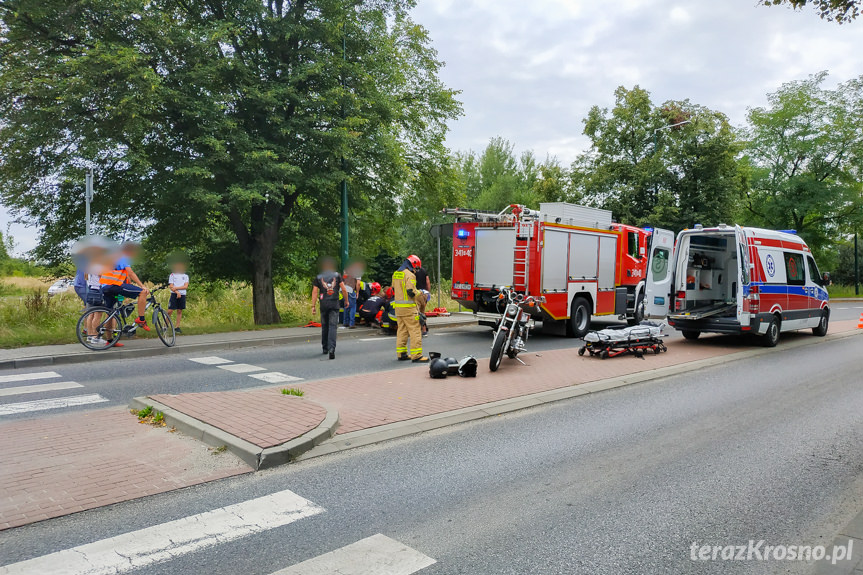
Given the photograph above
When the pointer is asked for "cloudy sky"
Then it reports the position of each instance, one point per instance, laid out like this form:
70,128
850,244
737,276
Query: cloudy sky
530,69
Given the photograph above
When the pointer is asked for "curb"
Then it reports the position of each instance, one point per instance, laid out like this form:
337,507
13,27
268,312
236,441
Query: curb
418,425
109,355
255,456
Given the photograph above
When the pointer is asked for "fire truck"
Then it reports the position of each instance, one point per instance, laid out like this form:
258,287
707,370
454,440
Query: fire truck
581,261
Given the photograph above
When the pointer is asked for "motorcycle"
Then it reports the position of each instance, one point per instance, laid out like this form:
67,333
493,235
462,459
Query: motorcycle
514,326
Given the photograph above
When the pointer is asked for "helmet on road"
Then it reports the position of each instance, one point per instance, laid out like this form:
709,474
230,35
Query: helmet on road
415,261
438,369
376,288
467,367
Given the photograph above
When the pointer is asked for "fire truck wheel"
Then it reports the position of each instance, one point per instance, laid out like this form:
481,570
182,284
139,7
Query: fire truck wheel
579,317
690,335
771,336
821,330
638,313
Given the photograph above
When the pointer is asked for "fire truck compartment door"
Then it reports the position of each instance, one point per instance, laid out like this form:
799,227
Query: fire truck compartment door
554,260
493,256
660,270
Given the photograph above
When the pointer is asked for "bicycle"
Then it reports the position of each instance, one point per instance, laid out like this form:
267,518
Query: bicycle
115,322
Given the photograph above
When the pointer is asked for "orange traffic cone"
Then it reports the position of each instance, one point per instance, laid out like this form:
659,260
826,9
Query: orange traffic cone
860,323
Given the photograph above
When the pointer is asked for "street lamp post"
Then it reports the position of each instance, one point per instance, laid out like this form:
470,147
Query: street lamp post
88,197
344,186
657,130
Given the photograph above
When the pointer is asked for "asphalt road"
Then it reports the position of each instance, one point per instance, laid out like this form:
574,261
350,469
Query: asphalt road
618,482
119,381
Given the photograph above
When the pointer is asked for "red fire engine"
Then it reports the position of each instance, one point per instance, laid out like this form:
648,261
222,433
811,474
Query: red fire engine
577,257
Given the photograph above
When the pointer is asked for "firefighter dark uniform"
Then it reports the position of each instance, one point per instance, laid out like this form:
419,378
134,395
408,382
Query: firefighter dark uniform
407,313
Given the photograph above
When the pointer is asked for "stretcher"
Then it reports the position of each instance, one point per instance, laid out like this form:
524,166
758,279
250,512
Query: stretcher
638,339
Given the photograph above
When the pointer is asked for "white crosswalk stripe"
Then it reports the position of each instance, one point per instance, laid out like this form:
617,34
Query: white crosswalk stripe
170,540
275,377
211,360
375,555
38,388
28,376
240,367
43,404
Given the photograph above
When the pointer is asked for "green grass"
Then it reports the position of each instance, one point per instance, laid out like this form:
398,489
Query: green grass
293,391
28,317
843,291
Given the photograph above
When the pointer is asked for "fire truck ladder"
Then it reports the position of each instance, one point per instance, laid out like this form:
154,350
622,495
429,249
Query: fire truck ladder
521,266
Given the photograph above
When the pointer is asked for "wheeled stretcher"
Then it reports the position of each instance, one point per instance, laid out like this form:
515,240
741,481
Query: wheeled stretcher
638,339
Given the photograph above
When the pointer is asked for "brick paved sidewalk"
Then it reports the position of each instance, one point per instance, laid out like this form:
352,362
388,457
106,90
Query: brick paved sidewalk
264,417
53,466
374,399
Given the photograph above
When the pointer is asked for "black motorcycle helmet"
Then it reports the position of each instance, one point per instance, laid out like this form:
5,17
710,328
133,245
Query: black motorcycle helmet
438,368
467,367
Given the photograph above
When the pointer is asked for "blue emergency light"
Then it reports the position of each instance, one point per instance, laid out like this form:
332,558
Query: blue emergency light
648,230
789,232
462,234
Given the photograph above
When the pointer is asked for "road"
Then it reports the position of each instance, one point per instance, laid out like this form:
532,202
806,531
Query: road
624,481
115,383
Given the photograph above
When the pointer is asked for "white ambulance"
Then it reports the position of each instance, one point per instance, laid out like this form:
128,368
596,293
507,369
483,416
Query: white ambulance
735,280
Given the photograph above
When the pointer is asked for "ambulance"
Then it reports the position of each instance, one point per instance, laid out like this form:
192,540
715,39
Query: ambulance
735,280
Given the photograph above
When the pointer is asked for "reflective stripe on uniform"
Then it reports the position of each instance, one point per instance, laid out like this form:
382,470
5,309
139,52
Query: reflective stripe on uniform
417,350
402,349
403,304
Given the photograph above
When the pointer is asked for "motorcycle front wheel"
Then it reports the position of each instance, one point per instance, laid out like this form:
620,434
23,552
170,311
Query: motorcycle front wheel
497,350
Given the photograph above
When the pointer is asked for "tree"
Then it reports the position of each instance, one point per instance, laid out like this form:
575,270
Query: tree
839,11
647,172
806,153
209,117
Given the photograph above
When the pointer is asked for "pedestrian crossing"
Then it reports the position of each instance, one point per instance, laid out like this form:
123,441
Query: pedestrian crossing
22,384
375,555
274,377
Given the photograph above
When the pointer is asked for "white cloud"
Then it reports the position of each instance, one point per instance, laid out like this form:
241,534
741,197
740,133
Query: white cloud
530,71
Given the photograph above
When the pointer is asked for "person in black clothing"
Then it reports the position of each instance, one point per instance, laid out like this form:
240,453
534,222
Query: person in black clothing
325,290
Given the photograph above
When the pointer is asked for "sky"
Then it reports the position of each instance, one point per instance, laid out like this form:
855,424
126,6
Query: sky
529,70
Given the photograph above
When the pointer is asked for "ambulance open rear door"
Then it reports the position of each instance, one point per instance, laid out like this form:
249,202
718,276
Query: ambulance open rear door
660,273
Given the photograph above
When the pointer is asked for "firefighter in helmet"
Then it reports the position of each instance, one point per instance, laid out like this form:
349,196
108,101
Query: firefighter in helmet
407,313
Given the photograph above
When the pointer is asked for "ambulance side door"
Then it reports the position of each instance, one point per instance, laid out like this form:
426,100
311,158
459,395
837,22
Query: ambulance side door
660,271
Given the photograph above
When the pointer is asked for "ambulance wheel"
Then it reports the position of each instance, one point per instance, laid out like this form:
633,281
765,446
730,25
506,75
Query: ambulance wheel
579,317
771,336
691,335
581,351
638,312
821,330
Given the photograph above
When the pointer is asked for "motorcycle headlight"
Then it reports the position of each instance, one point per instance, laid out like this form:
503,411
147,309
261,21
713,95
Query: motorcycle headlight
511,310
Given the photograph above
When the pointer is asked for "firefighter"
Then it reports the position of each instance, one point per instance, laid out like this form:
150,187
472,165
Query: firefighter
407,312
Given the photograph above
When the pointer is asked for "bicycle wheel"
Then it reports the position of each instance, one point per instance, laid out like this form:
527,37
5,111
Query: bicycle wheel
105,326
164,327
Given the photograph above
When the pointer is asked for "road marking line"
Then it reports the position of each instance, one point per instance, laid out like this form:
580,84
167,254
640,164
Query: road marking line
22,389
28,376
843,308
170,540
378,338
375,555
275,377
210,360
240,367
43,404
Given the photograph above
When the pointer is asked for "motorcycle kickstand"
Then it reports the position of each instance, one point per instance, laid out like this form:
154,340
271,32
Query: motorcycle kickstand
518,359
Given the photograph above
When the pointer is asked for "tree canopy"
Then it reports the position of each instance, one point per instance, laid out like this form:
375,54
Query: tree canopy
226,124
840,11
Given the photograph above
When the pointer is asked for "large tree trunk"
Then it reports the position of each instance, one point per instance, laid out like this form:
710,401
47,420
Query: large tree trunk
263,294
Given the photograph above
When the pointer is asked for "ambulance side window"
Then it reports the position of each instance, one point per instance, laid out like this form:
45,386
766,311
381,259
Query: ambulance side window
814,274
794,269
659,265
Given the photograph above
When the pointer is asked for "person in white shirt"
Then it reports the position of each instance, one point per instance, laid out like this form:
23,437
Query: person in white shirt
178,283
